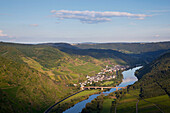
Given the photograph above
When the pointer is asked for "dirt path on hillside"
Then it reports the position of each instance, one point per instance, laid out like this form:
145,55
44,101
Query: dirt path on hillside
154,105
137,106
147,102
4,53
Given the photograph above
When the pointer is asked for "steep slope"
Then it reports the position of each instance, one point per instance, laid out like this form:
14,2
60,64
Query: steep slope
51,60
24,89
32,77
154,78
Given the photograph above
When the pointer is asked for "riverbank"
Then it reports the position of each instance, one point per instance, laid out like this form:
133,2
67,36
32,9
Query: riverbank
129,79
80,96
132,101
50,108
70,101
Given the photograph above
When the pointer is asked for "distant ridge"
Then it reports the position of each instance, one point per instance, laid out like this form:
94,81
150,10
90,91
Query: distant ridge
65,45
128,47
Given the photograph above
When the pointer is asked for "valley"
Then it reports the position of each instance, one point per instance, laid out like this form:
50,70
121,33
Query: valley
84,56
33,76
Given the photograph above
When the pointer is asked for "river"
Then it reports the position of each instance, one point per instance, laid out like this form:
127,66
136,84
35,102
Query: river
128,79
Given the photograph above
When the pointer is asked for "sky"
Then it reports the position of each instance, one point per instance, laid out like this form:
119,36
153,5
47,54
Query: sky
76,21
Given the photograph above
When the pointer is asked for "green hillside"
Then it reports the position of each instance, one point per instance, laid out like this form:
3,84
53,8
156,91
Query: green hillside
154,78
24,89
33,76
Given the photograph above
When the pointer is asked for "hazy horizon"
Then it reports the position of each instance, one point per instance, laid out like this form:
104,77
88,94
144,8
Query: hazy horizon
79,42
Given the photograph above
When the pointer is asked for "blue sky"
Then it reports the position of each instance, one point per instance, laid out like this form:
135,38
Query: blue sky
35,21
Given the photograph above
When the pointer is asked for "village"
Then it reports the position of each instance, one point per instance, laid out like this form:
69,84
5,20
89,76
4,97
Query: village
108,73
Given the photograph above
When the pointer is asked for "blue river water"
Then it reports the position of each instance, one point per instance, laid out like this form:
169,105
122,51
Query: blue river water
128,79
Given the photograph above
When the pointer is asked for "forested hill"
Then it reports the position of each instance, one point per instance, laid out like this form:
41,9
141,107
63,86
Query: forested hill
127,47
154,78
33,76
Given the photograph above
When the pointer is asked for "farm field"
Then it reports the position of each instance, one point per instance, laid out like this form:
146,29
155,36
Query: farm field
81,94
108,83
128,103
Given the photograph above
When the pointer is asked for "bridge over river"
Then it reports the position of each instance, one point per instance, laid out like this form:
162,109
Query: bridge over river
98,87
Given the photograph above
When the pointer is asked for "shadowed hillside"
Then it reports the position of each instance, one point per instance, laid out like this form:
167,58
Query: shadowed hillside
154,78
128,47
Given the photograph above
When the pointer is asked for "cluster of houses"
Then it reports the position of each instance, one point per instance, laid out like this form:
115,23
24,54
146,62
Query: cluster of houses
103,75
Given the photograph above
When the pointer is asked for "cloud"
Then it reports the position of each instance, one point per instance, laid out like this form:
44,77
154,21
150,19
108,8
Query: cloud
2,34
34,25
94,16
6,37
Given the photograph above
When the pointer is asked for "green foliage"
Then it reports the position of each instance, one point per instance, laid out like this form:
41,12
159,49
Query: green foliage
106,106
